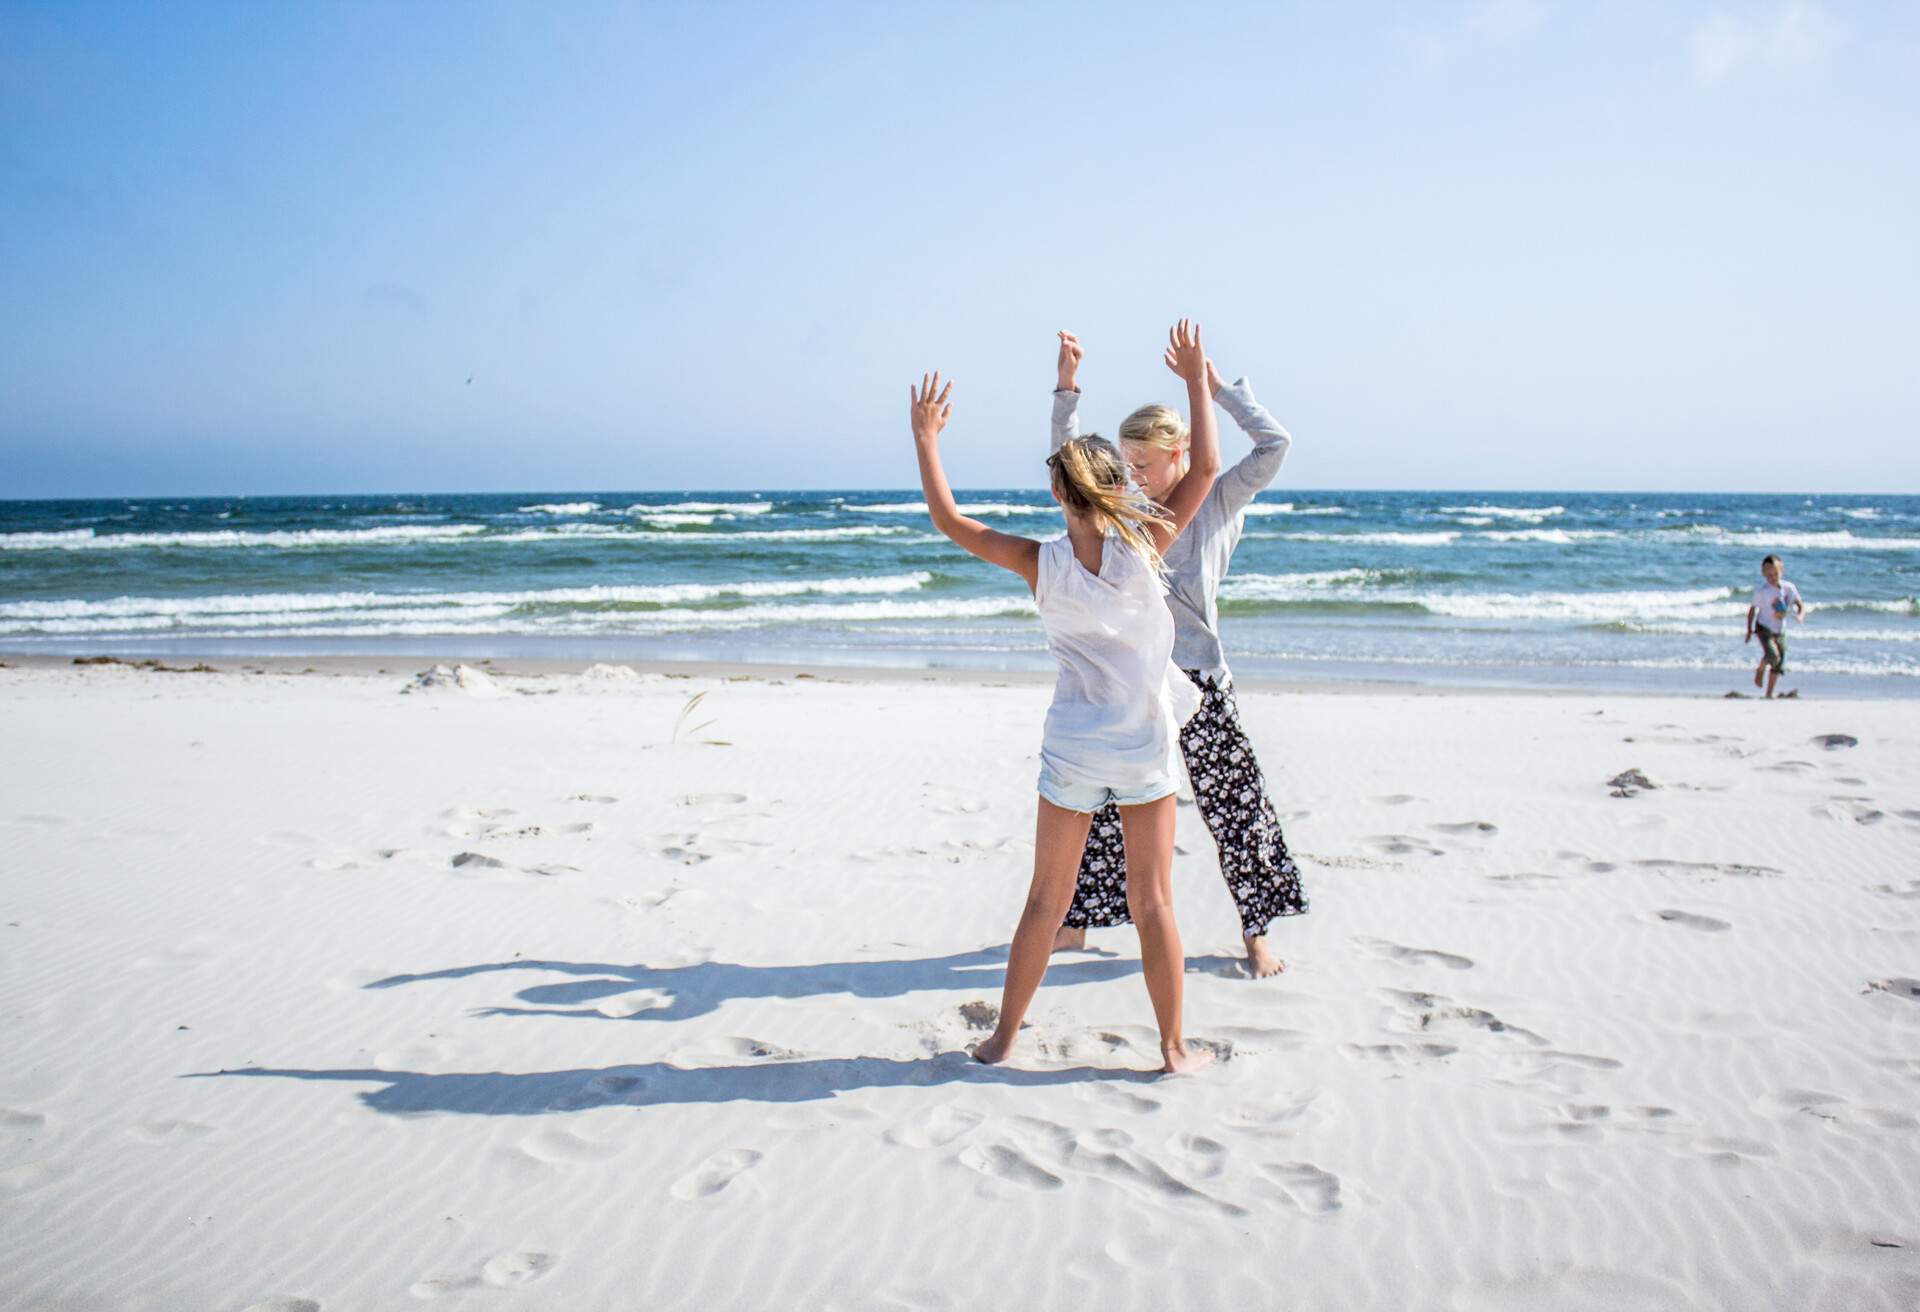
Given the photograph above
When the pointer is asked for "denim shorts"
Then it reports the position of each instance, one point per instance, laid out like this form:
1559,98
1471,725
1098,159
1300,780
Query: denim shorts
1088,798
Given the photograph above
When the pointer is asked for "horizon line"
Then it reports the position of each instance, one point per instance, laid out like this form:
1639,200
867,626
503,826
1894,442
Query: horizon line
916,492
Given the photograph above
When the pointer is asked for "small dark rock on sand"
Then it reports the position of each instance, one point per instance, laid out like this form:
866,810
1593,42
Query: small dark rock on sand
1629,783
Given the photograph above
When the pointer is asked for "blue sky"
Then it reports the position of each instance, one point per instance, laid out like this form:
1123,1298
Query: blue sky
261,248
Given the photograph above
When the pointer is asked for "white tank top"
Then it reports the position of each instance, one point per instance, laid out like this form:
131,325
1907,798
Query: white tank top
1119,701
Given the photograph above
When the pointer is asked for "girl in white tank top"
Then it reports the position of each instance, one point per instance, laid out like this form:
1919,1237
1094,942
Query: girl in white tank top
1112,733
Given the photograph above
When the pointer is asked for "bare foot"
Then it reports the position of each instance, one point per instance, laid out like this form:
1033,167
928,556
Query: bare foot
1260,958
993,1051
1183,1060
1757,676
1067,938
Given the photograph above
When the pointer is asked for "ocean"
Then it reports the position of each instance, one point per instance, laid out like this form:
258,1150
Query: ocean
1557,589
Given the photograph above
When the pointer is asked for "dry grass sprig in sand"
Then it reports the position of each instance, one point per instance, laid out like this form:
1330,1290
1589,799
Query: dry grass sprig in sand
682,731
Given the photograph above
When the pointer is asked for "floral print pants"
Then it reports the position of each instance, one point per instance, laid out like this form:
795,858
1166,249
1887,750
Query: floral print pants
1232,796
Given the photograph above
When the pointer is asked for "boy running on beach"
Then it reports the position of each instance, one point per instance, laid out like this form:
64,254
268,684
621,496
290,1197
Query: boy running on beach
1768,614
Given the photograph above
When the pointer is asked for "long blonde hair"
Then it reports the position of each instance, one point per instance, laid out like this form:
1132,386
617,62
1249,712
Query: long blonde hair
1090,478
1156,426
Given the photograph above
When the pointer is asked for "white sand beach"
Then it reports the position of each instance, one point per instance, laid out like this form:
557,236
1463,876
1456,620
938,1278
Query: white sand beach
531,991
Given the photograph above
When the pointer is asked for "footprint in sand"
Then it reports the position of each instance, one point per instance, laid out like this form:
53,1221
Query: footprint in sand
597,798
1733,1152
284,1303
1850,808
1433,1013
692,849
1002,1162
1198,1155
935,1127
1078,1047
1403,845
729,1049
511,1269
1137,1172
563,1147
1304,1185
954,801
24,1124
1833,742
1399,1054
1116,1098
1284,1117
1706,924
466,811
978,1015
506,1271
1588,1121
1397,799
1911,891
1481,828
1554,1067
1524,879
1836,1113
1706,867
710,799
714,1175
1898,986
1389,951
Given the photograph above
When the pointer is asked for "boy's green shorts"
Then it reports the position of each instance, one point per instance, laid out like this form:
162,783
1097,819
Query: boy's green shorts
1773,649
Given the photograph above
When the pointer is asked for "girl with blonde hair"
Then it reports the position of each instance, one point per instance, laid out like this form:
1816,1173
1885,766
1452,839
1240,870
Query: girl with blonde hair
1113,731
1228,786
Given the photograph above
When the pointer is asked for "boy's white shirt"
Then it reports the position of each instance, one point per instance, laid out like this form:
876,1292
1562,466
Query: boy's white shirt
1763,598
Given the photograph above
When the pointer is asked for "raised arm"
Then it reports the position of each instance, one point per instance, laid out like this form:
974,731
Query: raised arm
1186,358
1271,442
1066,396
932,405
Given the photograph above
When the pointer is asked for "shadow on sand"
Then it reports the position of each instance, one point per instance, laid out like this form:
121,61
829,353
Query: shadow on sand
652,1084
699,989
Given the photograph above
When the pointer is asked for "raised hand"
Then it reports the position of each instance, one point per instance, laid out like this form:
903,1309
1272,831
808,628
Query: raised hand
1068,363
930,406
1184,355
1213,380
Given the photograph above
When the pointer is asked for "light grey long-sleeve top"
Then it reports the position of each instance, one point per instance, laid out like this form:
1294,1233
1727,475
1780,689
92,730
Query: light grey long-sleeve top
1198,558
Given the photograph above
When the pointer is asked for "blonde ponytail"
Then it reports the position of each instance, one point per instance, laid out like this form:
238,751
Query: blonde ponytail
1090,478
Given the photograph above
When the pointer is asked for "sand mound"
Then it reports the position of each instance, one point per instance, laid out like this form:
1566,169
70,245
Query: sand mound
456,678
